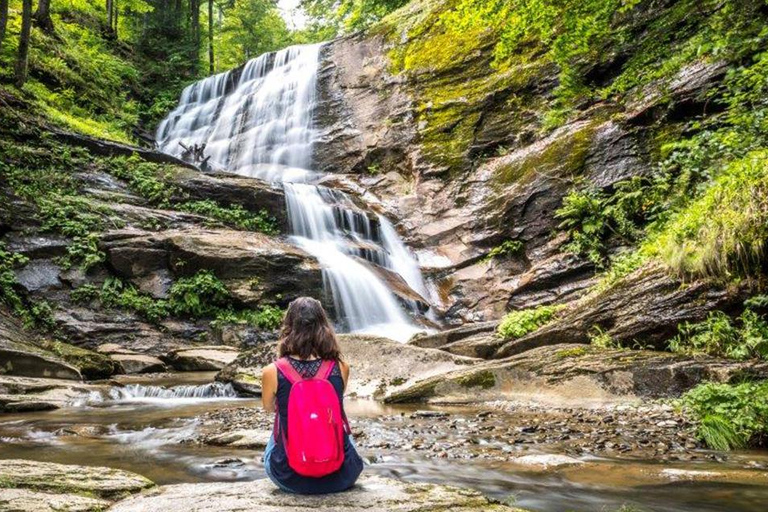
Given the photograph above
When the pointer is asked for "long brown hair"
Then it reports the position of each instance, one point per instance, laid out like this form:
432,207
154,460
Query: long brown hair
306,332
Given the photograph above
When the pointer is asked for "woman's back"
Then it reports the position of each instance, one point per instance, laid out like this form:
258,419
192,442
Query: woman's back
311,450
276,459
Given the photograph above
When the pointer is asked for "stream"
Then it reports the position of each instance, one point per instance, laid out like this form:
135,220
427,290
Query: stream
154,433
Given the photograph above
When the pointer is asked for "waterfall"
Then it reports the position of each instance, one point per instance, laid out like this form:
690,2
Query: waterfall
257,121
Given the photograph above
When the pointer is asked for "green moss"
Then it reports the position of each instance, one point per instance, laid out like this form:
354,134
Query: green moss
92,365
563,156
571,352
517,324
482,379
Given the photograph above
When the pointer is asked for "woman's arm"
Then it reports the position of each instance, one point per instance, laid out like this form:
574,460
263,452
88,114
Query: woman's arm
268,387
344,373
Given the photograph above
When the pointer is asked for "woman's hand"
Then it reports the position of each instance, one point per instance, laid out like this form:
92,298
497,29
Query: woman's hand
269,387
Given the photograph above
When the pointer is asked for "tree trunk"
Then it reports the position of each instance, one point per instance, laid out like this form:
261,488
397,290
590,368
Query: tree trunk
3,19
109,15
117,11
194,5
43,16
23,55
210,36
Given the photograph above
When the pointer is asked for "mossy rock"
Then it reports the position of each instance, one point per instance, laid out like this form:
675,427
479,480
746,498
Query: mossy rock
483,379
92,365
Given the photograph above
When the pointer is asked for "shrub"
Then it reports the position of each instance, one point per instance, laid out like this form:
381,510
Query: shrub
116,293
198,296
10,261
724,232
519,323
506,248
730,415
234,215
591,217
266,317
601,339
720,336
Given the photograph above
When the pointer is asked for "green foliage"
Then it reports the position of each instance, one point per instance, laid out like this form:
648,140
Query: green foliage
506,248
723,232
332,17
9,262
719,335
234,215
591,217
601,339
519,323
730,415
201,295
248,29
117,294
153,182
266,317
144,178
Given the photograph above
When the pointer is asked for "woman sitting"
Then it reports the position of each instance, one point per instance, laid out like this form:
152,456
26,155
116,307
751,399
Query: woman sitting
311,449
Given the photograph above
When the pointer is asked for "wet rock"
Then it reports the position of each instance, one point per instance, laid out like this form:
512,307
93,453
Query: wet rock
27,394
251,439
27,500
371,493
90,328
202,358
139,363
104,483
545,461
28,363
368,355
577,374
442,338
39,275
271,266
230,189
23,353
646,306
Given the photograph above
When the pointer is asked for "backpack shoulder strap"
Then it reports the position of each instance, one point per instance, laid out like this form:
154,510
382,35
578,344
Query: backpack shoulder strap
326,367
289,372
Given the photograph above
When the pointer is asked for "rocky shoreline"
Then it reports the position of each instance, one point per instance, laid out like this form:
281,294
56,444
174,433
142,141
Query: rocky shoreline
501,431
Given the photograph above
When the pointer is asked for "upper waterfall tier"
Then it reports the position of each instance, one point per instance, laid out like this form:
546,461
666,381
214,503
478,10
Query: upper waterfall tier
257,121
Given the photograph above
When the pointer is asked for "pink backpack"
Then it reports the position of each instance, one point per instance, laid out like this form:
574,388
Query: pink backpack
316,426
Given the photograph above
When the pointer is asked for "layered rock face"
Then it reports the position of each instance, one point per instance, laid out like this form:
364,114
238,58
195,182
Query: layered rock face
476,169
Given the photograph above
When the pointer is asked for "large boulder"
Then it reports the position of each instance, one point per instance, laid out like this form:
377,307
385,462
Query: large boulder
646,307
202,358
371,493
68,485
230,189
378,365
27,500
23,394
577,374
271,266
26,353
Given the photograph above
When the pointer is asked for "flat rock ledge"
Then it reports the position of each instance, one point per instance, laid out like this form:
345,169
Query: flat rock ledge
46,486
371,493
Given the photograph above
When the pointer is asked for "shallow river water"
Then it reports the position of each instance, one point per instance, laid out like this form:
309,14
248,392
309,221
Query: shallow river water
153,437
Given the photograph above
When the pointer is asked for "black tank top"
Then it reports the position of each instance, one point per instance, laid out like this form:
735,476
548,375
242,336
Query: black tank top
338,481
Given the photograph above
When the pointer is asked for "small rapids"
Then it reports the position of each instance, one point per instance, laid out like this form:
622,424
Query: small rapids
133,393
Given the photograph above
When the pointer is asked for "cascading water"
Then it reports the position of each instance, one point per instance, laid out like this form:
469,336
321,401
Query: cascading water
258,122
